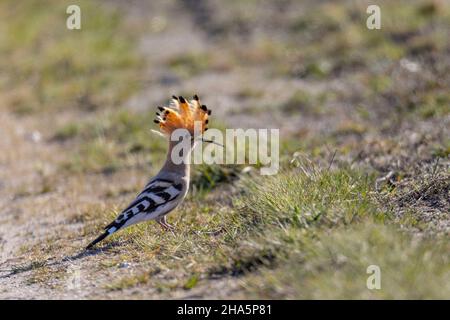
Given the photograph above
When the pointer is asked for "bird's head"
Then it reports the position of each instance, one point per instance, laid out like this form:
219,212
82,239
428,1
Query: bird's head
183,114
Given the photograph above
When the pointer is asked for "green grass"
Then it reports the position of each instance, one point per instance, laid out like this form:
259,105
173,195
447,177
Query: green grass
187,65
207,177
220,239
309,197
98,155
300,102
52,68
443,150
112,141
311,233
333,265
129,282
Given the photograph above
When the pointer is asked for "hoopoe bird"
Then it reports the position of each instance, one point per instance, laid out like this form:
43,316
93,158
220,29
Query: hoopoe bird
164,192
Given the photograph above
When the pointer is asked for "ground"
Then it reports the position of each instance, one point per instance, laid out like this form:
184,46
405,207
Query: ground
364,118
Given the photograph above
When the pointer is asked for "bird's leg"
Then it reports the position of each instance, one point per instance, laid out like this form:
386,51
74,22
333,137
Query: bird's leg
163,223
166,224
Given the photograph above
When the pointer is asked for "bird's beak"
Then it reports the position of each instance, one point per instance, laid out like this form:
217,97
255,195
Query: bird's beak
211,141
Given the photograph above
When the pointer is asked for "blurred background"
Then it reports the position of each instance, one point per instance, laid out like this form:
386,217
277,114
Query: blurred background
312,69
76,109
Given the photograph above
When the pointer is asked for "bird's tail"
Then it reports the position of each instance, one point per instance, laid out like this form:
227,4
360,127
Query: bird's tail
110,229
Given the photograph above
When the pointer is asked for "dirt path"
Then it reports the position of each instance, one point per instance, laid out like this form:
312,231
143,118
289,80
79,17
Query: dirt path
20,178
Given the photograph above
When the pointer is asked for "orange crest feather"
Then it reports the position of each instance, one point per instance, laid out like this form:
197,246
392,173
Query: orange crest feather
182,114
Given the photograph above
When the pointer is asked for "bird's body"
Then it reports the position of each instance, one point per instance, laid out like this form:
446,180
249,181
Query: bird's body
162,194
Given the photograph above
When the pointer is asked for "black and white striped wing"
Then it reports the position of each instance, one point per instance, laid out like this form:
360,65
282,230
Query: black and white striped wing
158,197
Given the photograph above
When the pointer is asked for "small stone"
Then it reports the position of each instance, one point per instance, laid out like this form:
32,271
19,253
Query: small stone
409,65
124,265
35,136
247,169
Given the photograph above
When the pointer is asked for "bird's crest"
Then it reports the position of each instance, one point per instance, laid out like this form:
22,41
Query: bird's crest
183,114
